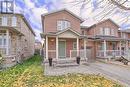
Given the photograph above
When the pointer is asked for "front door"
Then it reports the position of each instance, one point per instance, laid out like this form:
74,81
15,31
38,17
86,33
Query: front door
62,49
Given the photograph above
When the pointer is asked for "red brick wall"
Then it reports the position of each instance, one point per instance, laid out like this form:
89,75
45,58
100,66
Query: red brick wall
50,21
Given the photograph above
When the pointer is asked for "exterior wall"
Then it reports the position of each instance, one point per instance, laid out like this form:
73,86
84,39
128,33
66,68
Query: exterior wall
50,21
95,30
28,40
21,46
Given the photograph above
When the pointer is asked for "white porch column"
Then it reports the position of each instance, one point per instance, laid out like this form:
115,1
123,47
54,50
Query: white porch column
127,45
46,47
57,51
77,46
105,48
85,47
120,48
7,42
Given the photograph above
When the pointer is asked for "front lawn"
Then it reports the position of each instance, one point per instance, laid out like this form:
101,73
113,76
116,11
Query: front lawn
30,74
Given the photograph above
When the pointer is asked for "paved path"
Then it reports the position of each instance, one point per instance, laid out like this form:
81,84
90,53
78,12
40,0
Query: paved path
115,72
119,73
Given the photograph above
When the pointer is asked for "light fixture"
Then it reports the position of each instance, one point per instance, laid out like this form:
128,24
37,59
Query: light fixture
52,40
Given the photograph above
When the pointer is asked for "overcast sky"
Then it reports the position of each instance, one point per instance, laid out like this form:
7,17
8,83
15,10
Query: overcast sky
92,12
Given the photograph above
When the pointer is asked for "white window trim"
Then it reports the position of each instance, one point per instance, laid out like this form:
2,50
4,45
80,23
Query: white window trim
107,31
63,24
3,37
4,21
14,21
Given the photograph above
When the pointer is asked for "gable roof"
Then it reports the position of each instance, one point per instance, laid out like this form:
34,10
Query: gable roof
68,29
27,23
104,21
60,32
52,12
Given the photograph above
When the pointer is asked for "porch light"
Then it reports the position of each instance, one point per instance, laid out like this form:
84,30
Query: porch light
52,40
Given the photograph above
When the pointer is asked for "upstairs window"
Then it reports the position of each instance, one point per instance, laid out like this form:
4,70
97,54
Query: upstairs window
63,24
14,21
112,32
124,35
105,31
4,21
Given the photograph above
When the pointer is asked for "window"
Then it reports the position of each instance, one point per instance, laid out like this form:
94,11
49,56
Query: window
74,45
112,32
4,21
104,31
0,21
101,31
63,24
14,21
107,31
4,5
83,32
3,39
124,35
0,41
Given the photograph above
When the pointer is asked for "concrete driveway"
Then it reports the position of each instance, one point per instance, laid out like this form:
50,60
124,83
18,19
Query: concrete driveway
115,72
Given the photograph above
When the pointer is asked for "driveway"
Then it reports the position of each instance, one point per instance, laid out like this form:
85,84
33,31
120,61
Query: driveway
115,72
119,73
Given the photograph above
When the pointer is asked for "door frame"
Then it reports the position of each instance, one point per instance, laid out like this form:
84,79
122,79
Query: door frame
65,48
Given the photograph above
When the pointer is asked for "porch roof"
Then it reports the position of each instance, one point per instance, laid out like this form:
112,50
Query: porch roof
63,31
108,38
12,29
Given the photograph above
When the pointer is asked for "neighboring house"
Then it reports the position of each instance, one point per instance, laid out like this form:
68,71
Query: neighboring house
17,38
38,47
107,39
65,38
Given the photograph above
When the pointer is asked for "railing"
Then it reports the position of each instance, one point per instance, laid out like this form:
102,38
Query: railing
52,53
110,53
73,53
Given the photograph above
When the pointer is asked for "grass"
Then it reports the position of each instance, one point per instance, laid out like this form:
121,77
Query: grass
30,74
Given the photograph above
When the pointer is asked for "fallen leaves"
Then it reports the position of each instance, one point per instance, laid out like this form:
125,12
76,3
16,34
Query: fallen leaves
30,74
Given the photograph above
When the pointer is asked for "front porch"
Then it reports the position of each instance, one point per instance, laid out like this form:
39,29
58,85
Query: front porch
108,49
9,45
65,46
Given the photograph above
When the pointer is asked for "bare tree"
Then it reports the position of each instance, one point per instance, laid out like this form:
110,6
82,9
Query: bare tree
109,8
119,5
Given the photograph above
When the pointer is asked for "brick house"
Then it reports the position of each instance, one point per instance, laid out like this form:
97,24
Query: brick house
17,38
66,38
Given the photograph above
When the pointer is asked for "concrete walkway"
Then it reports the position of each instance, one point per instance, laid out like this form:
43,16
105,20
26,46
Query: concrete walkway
118,73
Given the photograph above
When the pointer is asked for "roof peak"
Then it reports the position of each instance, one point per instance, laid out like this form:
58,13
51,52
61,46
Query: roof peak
63,9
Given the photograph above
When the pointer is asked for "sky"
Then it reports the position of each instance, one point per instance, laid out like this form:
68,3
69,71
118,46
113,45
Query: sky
33,9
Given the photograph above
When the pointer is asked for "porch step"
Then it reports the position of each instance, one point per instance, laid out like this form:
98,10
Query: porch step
66,62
